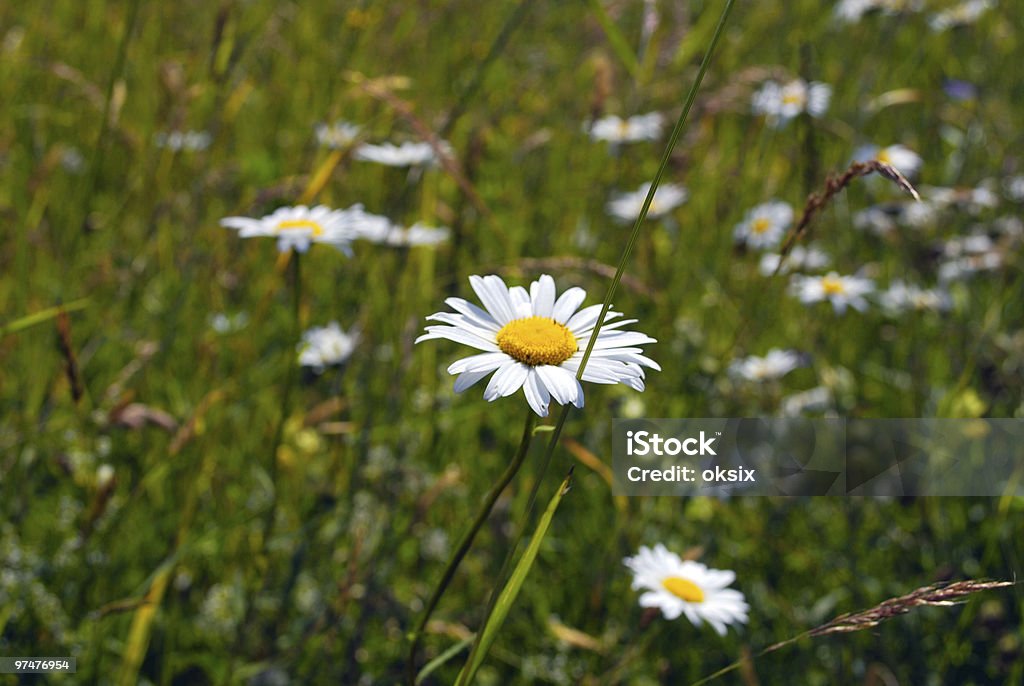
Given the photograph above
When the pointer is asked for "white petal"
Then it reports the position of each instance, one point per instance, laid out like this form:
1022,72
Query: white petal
459,336
507,380
467,379
476,363
567,304
562,384
542,294
536,394
494,295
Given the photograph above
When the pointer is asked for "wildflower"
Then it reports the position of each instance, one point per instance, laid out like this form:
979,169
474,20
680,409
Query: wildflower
764,225
901,157
782,102
626,206
298,227
641,127
338,135
417,234
404,155
325,346
879,220
901,297
960,15
191,141
1013,187
815,399
775,365
960,90
841,291
959,268
852,10
678,586
807,259
535,342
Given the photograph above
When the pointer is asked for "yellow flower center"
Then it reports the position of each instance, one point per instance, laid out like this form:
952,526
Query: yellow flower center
298,224
832,286
537,340
760,225
883,156
684,589
793,98
624,128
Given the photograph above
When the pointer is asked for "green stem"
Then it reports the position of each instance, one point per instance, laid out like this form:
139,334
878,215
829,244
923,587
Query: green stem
556,433
467,540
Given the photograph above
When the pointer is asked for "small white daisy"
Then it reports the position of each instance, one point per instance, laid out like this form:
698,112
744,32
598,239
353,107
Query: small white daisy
800,259
764,225
775,365
1013,187
299,227
337,136
782,102
417,234
960,15
641,127
841,291
324,346
878,219
533,341
960,268
626,206
677,586
906,161
816,399
190,141
404,155
901,297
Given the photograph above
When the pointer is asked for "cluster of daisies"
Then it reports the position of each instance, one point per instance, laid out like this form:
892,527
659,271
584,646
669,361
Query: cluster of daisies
962,14
298,228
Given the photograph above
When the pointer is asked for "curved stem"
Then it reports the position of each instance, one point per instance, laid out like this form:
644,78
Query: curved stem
467,540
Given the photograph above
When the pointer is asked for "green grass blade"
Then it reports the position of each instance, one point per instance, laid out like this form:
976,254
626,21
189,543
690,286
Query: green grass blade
41,316
444,657
619,43
511,590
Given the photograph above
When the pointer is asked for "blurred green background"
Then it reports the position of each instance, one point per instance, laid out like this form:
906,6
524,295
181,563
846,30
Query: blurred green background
170,574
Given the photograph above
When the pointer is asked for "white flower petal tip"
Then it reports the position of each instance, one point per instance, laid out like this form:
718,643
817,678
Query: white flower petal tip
534,340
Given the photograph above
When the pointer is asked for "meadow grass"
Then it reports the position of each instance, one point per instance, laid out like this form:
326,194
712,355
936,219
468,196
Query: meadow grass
166,574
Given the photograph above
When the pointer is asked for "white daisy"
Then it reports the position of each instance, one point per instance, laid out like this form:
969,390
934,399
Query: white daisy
807,259
816,399
783,102
533,341
324,346
764,225
339,135
841,291
960,15
626,206
404,155
775,365
1013,186
678,586
299,227
878,219
901,297
191,141
417,234
641,127
903,158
